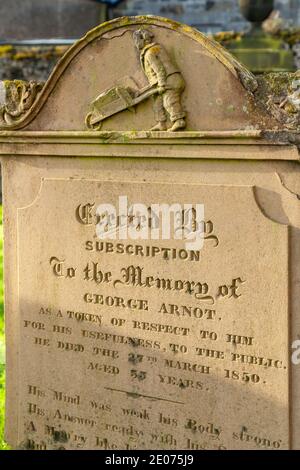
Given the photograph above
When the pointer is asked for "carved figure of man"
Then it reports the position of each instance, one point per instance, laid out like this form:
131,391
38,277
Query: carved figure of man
160,71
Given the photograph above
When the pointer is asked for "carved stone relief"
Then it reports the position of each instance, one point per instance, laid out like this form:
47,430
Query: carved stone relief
165,86
18,97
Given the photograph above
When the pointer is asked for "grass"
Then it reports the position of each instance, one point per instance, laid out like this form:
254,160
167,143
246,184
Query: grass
3,445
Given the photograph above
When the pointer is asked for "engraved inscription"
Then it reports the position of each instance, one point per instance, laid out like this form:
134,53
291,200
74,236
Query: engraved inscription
148,345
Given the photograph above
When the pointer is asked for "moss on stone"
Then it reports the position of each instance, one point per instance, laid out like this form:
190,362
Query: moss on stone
277,84
291,36
5,50
227,37
26,52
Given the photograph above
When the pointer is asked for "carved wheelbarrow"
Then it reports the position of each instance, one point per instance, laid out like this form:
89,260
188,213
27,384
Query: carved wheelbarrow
115,100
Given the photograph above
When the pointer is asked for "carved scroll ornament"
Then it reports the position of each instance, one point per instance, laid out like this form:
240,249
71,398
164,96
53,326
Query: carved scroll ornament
18,98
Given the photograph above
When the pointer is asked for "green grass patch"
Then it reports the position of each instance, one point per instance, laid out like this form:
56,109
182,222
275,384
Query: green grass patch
3,445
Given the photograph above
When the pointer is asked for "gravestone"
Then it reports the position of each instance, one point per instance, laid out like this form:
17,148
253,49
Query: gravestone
151,223
49,19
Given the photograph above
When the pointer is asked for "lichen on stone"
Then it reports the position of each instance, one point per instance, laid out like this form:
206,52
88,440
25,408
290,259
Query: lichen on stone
227,37
279,93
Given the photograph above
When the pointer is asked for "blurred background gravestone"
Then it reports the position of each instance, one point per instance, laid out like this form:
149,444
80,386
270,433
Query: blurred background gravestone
31,19
35,34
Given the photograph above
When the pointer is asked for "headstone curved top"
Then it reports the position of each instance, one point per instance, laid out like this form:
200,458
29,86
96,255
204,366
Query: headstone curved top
139,73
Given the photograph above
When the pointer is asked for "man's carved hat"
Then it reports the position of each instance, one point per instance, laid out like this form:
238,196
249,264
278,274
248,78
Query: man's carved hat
143,34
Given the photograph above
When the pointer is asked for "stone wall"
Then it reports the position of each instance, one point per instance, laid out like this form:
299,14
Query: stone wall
31,19
206,15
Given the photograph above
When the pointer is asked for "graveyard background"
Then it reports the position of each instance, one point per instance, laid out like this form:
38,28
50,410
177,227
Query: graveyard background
34,34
